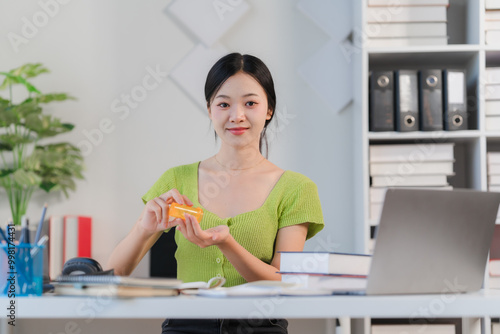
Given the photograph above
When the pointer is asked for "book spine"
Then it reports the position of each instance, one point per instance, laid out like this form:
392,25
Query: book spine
56,249
409,180
406,14
492,91
411,152
492,123
406,41
408,29
492,74
492,108
84,236
388,3
70,237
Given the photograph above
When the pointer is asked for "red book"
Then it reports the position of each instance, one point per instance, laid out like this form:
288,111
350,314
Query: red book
84,236
77,237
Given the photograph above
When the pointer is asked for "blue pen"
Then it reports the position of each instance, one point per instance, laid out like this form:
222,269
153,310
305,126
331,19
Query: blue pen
4,237
25,231
39,229
43,240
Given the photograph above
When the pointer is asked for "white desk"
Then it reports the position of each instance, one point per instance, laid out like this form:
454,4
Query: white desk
472,306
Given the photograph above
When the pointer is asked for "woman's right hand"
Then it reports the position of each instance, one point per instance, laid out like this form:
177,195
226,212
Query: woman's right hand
155,217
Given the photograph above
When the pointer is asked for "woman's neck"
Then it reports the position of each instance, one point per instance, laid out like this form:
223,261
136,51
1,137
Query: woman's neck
239,159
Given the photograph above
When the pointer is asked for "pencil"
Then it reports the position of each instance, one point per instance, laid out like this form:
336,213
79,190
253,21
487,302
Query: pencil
39,229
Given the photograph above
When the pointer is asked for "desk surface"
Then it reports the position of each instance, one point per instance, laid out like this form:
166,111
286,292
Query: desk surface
479,304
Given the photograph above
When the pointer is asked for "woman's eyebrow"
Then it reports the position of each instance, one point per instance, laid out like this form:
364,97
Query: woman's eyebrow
227,97
250,94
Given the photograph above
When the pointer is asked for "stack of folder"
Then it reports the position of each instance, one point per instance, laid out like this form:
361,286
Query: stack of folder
408,165
418,100
406,23
492,98
492,22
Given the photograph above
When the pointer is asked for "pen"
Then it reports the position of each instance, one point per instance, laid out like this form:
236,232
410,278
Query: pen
39,229
25,232
43,240
3,236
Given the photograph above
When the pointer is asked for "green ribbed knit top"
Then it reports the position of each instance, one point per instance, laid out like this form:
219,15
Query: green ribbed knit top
293,200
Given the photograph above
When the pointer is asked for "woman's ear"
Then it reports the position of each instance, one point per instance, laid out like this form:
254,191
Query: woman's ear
269,114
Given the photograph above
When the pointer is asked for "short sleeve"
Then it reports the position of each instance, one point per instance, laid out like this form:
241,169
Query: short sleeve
162,185
303,206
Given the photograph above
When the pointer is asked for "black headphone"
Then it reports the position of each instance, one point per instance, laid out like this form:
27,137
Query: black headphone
80,266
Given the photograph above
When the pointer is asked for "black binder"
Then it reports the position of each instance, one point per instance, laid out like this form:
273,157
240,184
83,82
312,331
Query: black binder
454,100
430,100
406,100
381,101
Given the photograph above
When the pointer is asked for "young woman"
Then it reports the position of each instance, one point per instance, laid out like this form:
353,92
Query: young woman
252,208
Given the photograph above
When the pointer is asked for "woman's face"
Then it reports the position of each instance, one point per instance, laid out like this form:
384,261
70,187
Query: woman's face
239,111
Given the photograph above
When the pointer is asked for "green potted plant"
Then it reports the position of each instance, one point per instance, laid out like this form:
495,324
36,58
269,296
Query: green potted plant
28,161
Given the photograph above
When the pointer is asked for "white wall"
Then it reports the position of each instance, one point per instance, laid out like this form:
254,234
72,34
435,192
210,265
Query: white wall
99,50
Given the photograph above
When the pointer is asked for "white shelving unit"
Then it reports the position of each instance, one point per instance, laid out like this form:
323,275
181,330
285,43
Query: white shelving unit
467,50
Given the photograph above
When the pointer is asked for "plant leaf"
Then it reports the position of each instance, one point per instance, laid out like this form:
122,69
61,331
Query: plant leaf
15,79
47,98
8,116
58,165
26,178
29,70
12,139
52,126
25,109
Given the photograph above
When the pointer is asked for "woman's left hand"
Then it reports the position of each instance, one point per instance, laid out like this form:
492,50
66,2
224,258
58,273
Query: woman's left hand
192,231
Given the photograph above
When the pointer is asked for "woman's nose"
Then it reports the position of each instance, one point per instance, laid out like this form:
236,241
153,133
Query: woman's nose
237,114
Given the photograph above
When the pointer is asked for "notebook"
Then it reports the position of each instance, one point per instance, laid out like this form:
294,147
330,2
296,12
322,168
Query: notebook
431,241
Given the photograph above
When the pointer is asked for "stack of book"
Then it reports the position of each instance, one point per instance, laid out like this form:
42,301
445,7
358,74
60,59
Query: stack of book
492,97
406,23
493,159
413,328
69,237
115,286
408,165
492,22
494,264
495,327
325,271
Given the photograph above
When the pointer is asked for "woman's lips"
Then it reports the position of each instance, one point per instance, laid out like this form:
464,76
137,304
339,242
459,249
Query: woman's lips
237,131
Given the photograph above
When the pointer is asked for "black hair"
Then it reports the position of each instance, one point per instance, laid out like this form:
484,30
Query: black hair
233,63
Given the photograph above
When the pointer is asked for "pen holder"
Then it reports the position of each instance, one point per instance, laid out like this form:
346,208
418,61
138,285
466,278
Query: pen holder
21,270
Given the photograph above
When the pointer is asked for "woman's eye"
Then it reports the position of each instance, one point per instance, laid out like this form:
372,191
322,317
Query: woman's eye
223,105
251,103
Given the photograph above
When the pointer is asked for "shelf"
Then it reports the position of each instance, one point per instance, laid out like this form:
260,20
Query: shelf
466,50
451,48
423,58
421,135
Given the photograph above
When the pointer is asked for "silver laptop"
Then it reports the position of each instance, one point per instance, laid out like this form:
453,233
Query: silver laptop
432,241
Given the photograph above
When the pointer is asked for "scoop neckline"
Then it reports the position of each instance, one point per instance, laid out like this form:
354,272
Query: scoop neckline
197,170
